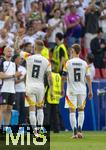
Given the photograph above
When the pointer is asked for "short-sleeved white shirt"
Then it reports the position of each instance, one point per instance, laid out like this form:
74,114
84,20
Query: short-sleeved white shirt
37,66
77,69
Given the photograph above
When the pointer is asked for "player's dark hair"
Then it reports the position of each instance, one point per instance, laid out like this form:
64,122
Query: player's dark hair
77,48
26,44
90,57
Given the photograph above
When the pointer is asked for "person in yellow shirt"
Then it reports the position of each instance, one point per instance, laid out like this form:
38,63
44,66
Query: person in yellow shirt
53,104
60,55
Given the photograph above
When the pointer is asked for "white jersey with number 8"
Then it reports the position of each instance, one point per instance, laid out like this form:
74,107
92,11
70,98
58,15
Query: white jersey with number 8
37,66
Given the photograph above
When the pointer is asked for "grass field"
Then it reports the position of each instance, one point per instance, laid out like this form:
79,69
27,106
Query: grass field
63,141
91,141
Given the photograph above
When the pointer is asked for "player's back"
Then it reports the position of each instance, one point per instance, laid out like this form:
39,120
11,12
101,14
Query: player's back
77,69
37,66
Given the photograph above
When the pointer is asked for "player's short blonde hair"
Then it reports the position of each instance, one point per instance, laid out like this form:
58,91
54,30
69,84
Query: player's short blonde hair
6,49
76,48
39,44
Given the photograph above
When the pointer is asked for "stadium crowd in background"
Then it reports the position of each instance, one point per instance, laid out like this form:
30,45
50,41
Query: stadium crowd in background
58,24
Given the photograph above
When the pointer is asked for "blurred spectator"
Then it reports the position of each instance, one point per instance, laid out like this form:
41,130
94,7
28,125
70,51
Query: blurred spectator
73,27
90,60
5,40
29,36
98,48
2,19
80,10
7,9
42,12
55,6
38,27
103,20
19,38
34,13
20,6
91,24
56,25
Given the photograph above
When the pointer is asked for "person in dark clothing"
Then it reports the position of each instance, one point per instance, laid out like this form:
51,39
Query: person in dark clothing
98,48
91,24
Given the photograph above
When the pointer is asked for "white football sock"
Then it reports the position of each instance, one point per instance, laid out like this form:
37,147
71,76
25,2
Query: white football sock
32,118
73,120
80,119
40,117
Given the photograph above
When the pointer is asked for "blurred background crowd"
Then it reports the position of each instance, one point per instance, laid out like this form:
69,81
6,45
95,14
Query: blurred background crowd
80,21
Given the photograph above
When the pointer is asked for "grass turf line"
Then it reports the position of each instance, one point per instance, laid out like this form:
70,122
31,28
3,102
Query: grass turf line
91,141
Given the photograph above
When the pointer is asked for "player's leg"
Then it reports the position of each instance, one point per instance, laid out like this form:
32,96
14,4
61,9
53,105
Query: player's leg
72,102
1,111
8,100
1,116
40,116
31,99
81,116
32,116
7,114
40,104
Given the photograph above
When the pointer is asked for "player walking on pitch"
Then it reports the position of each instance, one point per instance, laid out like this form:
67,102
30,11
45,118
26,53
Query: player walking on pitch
37,66
77,73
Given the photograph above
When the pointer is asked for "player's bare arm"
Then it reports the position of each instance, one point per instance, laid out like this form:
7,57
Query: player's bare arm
90,94
50,83
5,76
63,80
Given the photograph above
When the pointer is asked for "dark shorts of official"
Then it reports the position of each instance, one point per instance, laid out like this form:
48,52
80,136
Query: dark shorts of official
7,98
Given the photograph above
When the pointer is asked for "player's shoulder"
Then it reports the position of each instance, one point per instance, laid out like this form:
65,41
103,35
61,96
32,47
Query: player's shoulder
84,62
80,60
44,59
31,57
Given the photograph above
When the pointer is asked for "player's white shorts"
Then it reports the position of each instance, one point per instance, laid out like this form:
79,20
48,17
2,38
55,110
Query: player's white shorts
75,101
35,96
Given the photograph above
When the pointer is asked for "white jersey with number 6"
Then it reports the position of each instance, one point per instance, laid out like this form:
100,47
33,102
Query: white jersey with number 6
37,66
77,69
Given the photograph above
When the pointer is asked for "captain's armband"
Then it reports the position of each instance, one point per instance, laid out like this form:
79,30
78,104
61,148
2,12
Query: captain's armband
64,73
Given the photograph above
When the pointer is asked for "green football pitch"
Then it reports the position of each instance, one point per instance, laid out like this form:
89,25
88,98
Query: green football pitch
63,141
91,141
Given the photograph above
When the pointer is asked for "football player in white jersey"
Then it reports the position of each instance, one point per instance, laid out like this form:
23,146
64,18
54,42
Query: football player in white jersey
37,66
76,71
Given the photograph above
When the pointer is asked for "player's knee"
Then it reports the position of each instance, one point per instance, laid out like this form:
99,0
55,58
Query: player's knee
80,109
72,110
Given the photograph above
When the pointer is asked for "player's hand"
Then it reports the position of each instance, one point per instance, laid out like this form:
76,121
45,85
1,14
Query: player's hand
62,93
102,46
52,95
90,94
18,74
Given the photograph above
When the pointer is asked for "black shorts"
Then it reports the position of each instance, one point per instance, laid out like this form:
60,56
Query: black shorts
8,98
